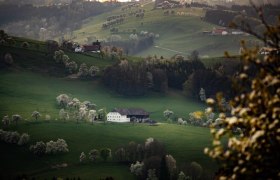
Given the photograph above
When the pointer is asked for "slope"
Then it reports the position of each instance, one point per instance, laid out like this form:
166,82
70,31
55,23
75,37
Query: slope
179,34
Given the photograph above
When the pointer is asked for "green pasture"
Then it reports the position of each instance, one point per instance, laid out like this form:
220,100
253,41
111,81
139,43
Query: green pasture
22,92
178,34
185,143
30,85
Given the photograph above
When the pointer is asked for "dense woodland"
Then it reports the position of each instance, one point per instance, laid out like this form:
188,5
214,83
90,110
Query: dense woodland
47,22
223,16
153,74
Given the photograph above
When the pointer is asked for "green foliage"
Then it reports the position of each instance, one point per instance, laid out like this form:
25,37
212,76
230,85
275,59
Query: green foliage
102,114
55,147
209,80
8,59
83,71
58,56
38,149
105,153
12,137
35,115
82,157
16,118
152,174
126,78
93,155
137,168
6,120
24,139
182,176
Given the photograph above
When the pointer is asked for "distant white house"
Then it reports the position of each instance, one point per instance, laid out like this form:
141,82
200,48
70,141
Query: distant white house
79,49
128,115
117,117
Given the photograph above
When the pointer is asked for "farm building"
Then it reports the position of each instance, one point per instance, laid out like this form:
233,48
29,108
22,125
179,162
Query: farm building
128,115
219,31
95,47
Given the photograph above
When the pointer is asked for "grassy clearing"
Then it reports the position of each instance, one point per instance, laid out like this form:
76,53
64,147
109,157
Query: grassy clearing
24,92
185,143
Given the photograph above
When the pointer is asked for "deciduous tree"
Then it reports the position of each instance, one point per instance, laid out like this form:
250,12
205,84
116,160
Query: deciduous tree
253,154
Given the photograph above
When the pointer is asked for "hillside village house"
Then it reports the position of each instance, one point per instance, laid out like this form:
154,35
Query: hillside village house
128,115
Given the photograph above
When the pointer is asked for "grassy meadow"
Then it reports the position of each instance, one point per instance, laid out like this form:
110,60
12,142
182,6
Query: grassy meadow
178,34
23,90
33,83
185,143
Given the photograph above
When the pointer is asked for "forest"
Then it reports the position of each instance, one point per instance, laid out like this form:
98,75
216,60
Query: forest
48,22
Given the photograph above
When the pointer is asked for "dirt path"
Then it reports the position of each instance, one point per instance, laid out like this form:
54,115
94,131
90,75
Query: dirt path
167,49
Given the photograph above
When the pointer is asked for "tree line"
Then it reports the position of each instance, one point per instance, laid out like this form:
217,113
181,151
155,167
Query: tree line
224,16
159,74
27,20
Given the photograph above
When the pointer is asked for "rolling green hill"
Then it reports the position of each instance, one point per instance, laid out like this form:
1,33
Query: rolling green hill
34,81
178,34
185,143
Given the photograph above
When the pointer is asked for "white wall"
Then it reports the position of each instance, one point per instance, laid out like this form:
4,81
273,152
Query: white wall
117,117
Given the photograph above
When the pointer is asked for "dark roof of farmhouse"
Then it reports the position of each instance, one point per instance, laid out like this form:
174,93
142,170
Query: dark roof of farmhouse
131,111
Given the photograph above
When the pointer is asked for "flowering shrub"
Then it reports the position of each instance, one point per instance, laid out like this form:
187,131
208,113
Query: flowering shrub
13,137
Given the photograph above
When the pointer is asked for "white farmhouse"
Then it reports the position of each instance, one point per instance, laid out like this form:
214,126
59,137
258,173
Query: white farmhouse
128,115
117,117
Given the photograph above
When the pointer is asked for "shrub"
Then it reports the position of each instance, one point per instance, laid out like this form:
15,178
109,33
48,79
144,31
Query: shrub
182,176
24,139
93,70
137,168
62,146
47,117
62,100
36,115
13,137
65,59
171,165
6,120
8,59
120,155
83,71
38,149
83,113
181,121
92,115
58,56
168,114
83,157
25,45
105,153
93,154
71,67
16,118
54,147
196,170
63,115
152,175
